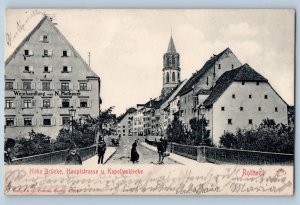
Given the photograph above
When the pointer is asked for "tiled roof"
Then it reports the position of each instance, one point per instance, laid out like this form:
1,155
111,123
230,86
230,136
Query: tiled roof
243,73
204,92
196,76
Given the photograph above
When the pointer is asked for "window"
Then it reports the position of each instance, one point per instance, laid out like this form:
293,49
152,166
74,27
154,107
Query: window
259,108
222,108
82,86
27,121
28,68
83,103
46,85
9,85
266,96
232,66
26,85
229,121
257,83
10,122
46,121
243,82
45,39
123,130
250,96
167,78
27,103
65,53
28,52
250,121
233,96
65,120
9,104
276,109
65,103
46,53
65,68
46,103
219,66
65,86
123,126
241,108
46,69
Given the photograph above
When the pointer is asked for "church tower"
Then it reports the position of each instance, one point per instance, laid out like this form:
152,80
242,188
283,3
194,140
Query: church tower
171,69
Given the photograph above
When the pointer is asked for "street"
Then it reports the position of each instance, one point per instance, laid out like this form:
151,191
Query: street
122,155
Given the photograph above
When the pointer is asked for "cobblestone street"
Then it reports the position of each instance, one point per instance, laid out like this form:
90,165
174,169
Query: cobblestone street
122,155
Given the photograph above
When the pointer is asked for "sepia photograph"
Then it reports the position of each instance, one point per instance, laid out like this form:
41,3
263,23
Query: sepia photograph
149,102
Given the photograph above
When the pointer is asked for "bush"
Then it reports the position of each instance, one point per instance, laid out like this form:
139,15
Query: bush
268,137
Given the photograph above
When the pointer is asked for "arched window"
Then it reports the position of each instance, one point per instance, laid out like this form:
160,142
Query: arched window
178,77
167,78
173,76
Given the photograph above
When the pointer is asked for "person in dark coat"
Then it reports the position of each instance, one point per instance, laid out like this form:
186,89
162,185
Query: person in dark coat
134,154
101,151
73,157
160,150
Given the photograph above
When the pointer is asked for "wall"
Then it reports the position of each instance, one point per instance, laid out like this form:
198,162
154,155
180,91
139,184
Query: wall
80,72
240,119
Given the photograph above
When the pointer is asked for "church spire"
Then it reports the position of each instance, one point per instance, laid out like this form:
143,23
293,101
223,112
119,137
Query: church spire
171,47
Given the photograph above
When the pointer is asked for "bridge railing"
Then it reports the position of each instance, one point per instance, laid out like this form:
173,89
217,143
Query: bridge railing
57,157
229,156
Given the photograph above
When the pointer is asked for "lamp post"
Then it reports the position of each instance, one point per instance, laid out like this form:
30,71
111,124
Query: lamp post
202,112
72,112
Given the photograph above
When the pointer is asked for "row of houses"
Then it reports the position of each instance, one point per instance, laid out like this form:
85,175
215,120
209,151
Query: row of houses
227,93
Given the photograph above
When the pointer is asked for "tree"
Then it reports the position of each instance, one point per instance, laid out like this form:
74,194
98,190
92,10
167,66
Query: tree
37,143
175,131
199,131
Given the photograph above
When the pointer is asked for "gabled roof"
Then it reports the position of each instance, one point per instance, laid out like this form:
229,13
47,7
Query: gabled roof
171,47
204,92
242,73
46,19
196,76
172,94
129,111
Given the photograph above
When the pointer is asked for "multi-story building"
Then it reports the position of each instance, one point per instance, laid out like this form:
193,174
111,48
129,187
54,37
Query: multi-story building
125,123
138,120
204,79
242,98
44,77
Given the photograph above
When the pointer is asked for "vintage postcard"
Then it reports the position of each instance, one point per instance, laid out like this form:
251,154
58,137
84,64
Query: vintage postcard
149,102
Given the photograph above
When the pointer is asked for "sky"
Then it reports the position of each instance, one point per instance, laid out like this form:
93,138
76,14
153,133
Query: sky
127,46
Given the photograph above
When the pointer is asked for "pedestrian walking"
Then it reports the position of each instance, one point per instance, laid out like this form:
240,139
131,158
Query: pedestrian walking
101,148
134,154
160,150
73,157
